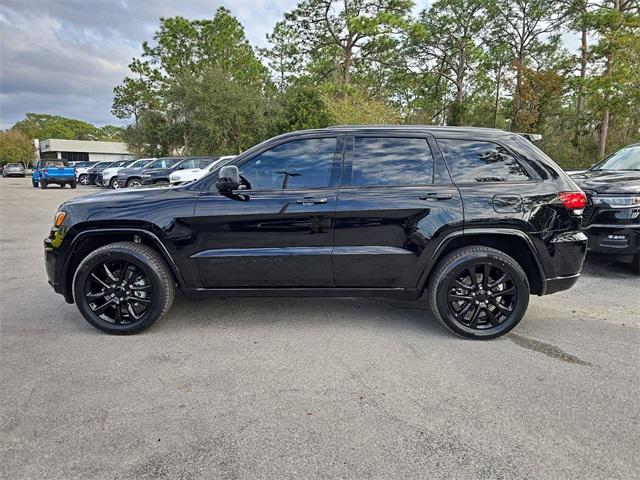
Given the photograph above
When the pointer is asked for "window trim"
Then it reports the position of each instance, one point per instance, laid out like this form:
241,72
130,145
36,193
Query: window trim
350,154
334,175
533,177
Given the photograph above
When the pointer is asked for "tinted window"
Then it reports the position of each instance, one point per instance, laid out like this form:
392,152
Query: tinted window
392,161
298,164
472,161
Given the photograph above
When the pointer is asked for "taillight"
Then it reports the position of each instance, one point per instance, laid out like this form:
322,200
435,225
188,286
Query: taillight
574,201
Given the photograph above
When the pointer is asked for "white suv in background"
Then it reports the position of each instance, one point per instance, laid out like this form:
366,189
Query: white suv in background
191,174
82,171
110,175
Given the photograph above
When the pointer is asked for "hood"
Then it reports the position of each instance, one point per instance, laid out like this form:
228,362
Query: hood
602,181
112,196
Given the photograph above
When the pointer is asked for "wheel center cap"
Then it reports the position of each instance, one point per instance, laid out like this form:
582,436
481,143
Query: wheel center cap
481,295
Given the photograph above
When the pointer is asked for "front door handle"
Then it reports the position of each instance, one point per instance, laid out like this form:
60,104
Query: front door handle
311,200
436,196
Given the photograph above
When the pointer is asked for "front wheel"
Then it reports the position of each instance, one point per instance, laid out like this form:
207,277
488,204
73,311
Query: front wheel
113,183
478,292
123,288
83,179
134,182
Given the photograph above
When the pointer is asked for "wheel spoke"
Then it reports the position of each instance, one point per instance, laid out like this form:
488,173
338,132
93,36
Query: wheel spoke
101,282
473,276
492,318
473,323
508,291
485,276
139,299
109,273
455,296
132,312
501,307
122,271
463,285
140,287
99,310
94,295
498,281
118,318
464,311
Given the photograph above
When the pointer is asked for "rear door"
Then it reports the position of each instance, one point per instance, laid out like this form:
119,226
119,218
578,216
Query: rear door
392,208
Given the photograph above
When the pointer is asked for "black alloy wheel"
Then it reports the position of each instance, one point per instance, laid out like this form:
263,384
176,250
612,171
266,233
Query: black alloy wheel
479,292
123,287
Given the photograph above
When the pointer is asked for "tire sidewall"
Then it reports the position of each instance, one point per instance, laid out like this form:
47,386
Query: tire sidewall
85,269
522,302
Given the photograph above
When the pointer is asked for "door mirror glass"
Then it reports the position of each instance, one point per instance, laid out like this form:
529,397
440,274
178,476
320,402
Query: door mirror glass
228,178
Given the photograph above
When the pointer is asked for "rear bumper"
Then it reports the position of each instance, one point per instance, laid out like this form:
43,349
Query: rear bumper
57,179
557,284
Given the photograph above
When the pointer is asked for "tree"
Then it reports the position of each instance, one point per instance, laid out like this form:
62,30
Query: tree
16,147
523,25
335,35
446,41
42,126
284,56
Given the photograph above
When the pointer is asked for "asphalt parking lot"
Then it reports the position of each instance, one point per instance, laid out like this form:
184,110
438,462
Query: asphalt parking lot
310,388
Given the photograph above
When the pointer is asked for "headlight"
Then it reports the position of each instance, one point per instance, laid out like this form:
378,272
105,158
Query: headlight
58,218
617,202
146,175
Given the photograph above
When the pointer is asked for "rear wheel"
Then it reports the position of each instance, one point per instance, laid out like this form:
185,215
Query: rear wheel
73,184
123,288
479,292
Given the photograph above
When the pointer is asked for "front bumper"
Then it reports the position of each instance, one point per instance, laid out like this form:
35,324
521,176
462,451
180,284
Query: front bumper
614,239
99,180
51,260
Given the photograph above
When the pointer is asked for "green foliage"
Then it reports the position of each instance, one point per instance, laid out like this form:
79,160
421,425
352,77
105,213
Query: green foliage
43,126
199,86
16,147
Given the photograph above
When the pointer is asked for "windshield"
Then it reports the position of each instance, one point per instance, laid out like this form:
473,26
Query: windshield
140,163
627,158
102,164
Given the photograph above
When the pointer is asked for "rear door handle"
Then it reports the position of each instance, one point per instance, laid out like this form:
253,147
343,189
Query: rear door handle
436,196
311,200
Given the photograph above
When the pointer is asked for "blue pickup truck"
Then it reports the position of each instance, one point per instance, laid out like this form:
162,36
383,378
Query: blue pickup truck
48,171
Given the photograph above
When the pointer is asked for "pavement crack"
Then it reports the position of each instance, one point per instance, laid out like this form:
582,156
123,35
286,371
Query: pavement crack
547,349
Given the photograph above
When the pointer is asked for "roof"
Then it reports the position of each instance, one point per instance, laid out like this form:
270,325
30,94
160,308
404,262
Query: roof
88,146
436,130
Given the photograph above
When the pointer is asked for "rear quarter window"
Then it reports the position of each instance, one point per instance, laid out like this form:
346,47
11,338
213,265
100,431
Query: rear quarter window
471,161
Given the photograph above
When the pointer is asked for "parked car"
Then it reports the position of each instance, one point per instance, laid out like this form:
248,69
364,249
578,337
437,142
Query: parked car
110,175
190,174
92,173
161,176
82,171
48,171
611,219
132,177
114,167
13,170
478,218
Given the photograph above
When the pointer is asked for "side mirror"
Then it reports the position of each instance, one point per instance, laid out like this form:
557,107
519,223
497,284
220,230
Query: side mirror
228,179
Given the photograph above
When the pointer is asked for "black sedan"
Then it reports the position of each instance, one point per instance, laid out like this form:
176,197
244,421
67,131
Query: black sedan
160,176
612,217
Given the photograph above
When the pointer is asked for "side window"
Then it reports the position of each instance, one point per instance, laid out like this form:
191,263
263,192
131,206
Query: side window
192,163
297,164
392,161
475,161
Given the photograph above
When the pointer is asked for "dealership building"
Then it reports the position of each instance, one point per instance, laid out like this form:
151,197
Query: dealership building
82,150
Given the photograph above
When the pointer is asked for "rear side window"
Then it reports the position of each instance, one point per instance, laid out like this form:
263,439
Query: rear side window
475,161
392,161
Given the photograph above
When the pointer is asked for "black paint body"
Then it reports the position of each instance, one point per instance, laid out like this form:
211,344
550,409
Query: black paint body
352,240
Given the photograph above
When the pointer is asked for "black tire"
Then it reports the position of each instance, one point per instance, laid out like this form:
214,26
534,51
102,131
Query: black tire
83,179
34,183
43,184
157,286
636,263
134,182
73,184
113,183
457,297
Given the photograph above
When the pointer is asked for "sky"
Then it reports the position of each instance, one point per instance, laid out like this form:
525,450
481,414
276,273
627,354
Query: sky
64,57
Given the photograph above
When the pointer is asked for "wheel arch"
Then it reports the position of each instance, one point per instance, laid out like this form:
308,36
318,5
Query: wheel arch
88,240
514,243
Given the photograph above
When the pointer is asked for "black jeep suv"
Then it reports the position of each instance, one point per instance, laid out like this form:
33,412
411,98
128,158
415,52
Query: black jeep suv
477,218
611,219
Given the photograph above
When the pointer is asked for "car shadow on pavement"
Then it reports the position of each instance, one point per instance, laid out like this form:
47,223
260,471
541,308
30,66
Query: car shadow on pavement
348,312
607,267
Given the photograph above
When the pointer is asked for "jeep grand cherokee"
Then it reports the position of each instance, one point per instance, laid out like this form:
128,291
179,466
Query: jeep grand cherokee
477,219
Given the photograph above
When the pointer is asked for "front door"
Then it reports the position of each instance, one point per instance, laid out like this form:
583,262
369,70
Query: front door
277,230
391,205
